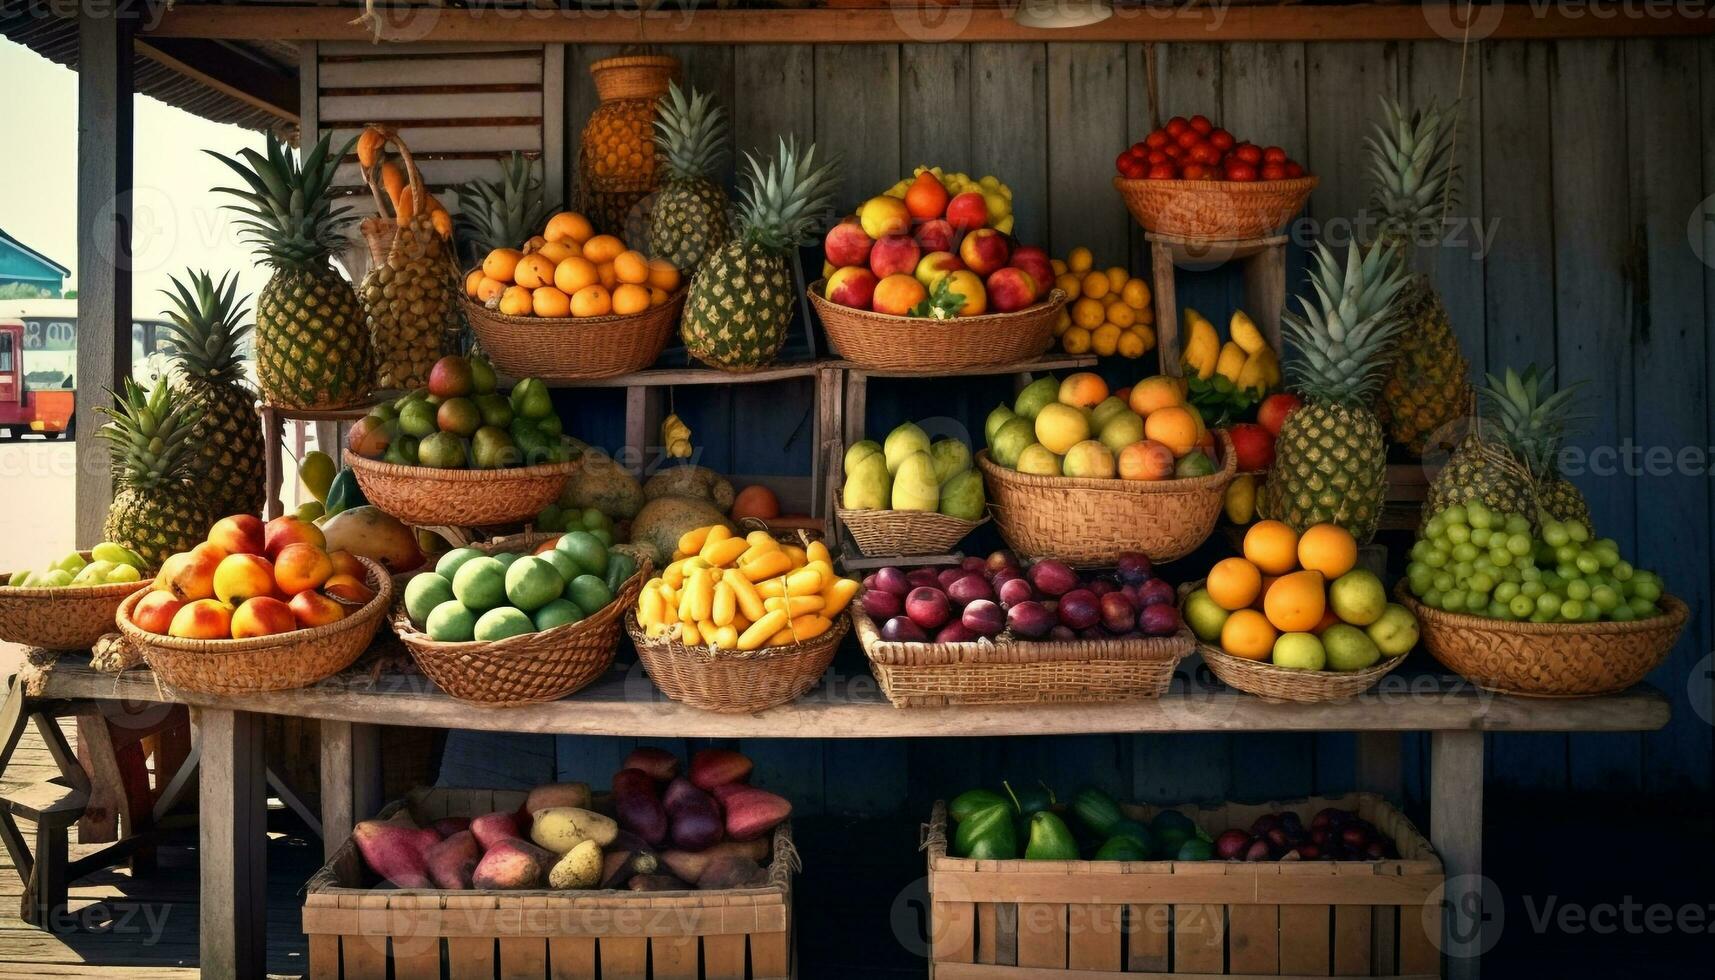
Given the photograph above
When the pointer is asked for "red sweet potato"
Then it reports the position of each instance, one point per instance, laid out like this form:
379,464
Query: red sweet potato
660,764
512,864
690,865
695,816
452,861
394,852
492,828
638,808
731,871
558,794
717,767
754,812
448,826
726,791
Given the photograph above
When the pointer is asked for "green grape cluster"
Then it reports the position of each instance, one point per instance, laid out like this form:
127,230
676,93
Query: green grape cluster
1471,559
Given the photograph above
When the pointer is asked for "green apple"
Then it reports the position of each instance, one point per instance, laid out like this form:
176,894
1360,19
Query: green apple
1358,597
1042,391
1395,631
1349,648
1120,430
1037,459
1002,414
1204,616
1299,651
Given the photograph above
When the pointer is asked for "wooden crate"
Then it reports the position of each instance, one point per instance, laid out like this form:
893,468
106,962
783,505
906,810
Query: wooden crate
617,935
1031,920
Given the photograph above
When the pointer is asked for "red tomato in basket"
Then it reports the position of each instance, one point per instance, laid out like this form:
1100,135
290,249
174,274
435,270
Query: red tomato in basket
1273,171
1202,124
1239,170
1274,154
1177,125
1248,152
1157,139
1293,170
1221,140
1162,171
1129,166
1188,138
1197,171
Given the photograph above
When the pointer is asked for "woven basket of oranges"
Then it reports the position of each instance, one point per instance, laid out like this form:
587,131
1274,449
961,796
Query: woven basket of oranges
572,305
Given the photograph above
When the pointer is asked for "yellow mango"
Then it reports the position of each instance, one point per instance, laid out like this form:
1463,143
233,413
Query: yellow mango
744,594
725,604
724,552
761,630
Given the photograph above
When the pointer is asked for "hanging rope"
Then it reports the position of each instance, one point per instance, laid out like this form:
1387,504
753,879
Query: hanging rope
1453,146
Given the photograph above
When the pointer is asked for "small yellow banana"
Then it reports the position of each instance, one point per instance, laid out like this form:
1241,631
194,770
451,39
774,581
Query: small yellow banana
1245,333
676,436
1254,375
1202,345
1229,362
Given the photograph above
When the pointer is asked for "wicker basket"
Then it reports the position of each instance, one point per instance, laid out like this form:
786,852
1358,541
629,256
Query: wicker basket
1548,660
904,533
71,617
427,497
883,342
1279,684
265,663
1010,671
1089,523
731,682
642,76
525,669
1214,210
574,348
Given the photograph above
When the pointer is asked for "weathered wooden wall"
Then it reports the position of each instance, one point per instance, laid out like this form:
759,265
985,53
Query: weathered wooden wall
1586,159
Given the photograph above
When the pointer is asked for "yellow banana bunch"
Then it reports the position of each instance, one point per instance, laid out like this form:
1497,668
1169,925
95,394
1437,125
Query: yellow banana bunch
1202,349
676,436
1246,360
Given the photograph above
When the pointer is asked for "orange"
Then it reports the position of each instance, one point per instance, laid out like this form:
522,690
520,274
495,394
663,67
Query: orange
591,301
533,270
1295,603
1135,293
1272,547
568,226
516,301
1076,340
609,278
603,248
1133,343
631,266
548,301
1117,278
630,298
1095,285
1119,314
1174,427
1079,260
1328,619
657,296
1262,596
557,252
1105,339
1084,389
489,289
1233,583
500,263
1067,283
1155,393
574,274
533,243
1088,313
663,275
472,281
1329,549
1248,634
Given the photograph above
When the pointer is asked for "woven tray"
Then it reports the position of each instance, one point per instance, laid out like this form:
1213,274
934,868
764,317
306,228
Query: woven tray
1548,660
1089,523
425,496
67,618
264,663
1006,670
904,533
883,342
1214,210
524,669
574,348
730,682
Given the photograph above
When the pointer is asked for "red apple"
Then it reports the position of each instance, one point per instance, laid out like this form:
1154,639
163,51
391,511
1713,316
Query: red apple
847,244
984,250
1010,289
1036,262
967,211
1273,411
936,236
1253,445
893,255
934,266
240,534
852,286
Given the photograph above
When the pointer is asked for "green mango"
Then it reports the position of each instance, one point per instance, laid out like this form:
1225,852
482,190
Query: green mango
914,484
1050,839
963,496
902,442
343,493
868,484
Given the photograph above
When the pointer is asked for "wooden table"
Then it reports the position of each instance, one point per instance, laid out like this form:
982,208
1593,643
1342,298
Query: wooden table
625,703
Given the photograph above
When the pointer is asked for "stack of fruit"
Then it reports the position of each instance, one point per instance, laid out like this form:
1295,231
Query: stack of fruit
570,271
1332,835
743,594
1076,428
1109,311
1091,826
461,421
1300,603
475,596
107,564
996,195
930,251
249,579
1197,149
910,473
1253,447
1043,601
1471,559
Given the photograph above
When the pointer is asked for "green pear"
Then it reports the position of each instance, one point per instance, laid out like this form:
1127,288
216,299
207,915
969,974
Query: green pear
1119,429
858,450
996,419
914,484
1039,460
962,496
908,438
951,458
1107,409
1035,395
868,484
1009,442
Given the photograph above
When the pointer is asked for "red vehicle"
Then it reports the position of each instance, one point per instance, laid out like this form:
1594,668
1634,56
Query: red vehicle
45,412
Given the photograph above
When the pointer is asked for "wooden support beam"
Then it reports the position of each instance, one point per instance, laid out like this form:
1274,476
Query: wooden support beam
882,22
233,837
104,128
1456,828
228,70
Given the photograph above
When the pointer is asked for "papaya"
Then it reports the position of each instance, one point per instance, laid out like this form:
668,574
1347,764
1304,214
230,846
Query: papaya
343,494
368,532
661,522
602,484
691,481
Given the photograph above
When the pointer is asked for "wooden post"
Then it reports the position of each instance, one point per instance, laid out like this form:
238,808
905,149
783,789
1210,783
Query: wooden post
337,819
233,833
1263,266
1456,827
104,127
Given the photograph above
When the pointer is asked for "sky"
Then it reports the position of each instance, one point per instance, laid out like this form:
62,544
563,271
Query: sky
177,221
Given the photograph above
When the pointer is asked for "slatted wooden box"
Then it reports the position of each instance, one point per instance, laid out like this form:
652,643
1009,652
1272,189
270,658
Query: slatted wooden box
1084,920
737,934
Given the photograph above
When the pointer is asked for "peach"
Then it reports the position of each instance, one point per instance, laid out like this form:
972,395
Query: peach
262,616
967,211
190,574
290,529
154,612
984,251
897,294
240,534
346,563
852,286
368,437
893,255
926,197
349,589
964,282
241,577
300,567
883,216
1036,262
1146,459
937,236
314,609
932,268
847,244
1010,289
204,619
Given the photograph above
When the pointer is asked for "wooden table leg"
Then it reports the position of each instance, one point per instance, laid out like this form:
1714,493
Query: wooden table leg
273,462
1456,828
233,832
337,819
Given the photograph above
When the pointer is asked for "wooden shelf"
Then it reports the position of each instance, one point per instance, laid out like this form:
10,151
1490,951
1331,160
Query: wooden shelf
1047,362
668,377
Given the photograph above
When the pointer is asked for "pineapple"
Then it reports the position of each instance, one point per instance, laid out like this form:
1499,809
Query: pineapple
503,213
312,346
205,335
740,304
160,503
1508,463
1331,457
690,214
1411,166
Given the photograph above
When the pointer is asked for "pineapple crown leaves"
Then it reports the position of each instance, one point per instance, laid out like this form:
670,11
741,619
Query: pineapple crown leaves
289,216
787,199
1533,422
501,213
148,434
1344,336
205,329
1412,171
942,303
691,133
